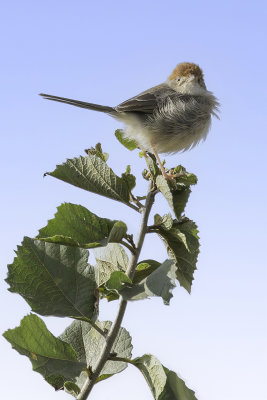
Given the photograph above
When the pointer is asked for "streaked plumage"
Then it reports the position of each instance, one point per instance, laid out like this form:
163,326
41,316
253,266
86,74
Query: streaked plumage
167,118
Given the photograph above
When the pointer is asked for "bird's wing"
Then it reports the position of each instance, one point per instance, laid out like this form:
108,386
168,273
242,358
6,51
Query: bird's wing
147,101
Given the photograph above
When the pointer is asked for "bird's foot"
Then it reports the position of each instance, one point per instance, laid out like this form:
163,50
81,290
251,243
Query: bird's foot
171,175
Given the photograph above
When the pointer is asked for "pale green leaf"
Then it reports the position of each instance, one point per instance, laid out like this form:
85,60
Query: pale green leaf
160,283
164,384
109,259
88,344
128,143
166,221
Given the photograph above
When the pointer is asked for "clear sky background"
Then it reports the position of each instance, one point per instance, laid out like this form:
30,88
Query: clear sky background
106,52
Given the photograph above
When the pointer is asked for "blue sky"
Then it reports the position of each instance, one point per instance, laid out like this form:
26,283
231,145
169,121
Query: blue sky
106,52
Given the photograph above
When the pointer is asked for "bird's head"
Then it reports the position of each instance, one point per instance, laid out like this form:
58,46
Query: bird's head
187,78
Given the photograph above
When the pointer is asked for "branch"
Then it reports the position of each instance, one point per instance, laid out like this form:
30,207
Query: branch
113,332
133,207
122,359
143,228
99,330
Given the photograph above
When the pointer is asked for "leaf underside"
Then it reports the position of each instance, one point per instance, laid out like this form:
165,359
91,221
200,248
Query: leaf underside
164,384
160,282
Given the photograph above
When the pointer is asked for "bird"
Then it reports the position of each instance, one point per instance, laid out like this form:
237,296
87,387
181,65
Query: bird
171,117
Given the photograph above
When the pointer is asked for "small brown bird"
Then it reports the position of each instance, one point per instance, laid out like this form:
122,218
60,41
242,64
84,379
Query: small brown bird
170,117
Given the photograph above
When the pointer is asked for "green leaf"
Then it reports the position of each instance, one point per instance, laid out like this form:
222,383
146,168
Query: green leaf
53,358
129,178
54,279
175,388
128,143
74,225
164,384
88,344
187,178
71,388
152,165
92,174
144,269
117,232
177,197
117,281
109,259
97,150
166,221
159,283
182,243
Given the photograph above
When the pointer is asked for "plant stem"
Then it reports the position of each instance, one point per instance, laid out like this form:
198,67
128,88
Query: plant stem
122,359
113,332
129,247
143,228
133,207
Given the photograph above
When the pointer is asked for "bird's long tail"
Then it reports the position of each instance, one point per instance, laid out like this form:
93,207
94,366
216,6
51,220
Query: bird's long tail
82,104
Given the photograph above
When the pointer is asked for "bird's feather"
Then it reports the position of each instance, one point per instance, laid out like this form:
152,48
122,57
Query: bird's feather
148,101
78,103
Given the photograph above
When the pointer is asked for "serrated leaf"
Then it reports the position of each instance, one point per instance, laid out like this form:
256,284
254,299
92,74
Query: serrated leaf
184,177
55,359
54,279
182,243
177,197
164,384
88,344
74,225
92,174
109,259
97,150
159,283
128,143
129,178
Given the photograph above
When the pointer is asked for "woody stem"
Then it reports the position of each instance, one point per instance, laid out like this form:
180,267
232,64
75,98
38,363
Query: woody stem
114,330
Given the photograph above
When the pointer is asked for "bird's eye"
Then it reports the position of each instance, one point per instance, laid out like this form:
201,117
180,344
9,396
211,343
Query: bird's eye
178,79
